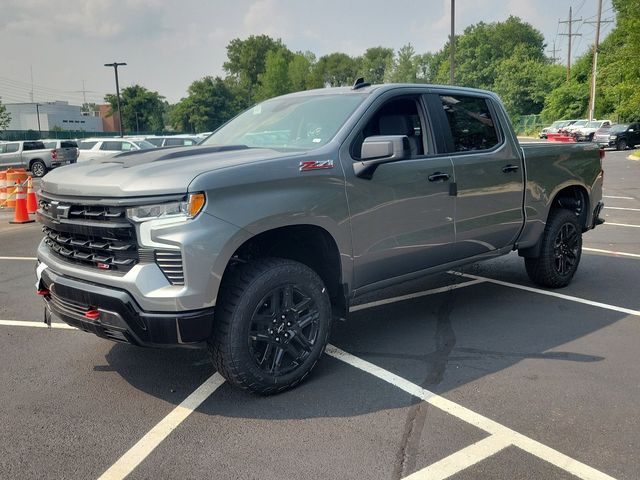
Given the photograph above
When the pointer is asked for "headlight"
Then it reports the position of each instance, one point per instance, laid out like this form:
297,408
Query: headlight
179,210
612,137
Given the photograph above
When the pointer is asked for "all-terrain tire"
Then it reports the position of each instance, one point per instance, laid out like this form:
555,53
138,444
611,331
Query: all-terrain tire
250,315
560,251
621,145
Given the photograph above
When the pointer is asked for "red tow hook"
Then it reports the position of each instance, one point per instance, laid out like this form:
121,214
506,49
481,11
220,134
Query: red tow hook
92,314
43,292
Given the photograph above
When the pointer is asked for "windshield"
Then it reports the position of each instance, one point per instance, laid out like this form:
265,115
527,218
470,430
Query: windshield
620,128
144,145
298,123
594,124
580,123
557,124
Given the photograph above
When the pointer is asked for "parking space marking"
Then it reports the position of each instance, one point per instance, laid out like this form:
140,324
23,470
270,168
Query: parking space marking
610,224
571,298
514,438
411,296
623,208
18,323
18,258
462,459
136,454
621,198
611,252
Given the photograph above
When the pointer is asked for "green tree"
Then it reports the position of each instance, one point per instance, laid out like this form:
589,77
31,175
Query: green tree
374,64
90,108
404,67
275,80
247,60
141,109
209,103
5,117
337,69
569,100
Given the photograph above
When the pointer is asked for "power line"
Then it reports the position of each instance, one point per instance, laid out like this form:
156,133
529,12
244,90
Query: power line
553,52
594,66
570,22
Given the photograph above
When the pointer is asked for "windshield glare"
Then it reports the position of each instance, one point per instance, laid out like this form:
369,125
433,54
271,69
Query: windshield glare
290,123
594,124
580,123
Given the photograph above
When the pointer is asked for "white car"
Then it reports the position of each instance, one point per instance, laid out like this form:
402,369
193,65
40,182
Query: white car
91,148
174,140
575,126
587,132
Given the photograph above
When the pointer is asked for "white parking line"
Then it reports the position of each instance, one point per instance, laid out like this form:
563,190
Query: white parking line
571,298
18,258
623,208
136,454
462,459
411,296
610,224
18,323
523,442
611,252
621,198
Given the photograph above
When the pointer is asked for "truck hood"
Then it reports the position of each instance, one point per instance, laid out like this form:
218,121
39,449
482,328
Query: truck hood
154,172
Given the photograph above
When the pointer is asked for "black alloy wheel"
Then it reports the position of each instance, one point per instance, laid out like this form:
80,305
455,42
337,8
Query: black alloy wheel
567,249
621,145
283,330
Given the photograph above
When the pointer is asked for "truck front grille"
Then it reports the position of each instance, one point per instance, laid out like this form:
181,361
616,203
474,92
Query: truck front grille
92,235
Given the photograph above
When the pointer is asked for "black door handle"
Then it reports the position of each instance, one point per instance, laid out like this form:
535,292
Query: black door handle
439,177
510,168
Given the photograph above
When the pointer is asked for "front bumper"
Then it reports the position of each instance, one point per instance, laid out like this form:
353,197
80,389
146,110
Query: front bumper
113,314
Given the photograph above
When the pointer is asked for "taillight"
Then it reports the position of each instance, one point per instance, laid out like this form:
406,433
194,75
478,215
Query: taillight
54,154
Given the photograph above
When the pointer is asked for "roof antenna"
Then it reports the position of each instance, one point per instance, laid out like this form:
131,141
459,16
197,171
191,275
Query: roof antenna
360,83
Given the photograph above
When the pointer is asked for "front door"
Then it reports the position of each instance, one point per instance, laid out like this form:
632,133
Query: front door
402,218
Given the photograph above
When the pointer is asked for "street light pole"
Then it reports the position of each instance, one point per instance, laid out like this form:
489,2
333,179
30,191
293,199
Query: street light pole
115,66
452,44
38,115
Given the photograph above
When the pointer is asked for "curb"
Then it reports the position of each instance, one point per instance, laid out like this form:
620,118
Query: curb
633,157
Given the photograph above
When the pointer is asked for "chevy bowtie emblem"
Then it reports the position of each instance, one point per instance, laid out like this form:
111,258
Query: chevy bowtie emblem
307,165
59,211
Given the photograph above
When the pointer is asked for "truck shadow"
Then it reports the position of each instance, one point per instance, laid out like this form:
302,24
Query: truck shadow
439,342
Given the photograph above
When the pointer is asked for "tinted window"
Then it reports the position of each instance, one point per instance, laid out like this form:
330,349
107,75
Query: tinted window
86,145
49,144
175,141
33,146
155,141
112,146
471,123
68,144
11,147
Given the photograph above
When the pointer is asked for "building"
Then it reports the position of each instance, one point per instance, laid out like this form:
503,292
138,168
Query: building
47,116
109,122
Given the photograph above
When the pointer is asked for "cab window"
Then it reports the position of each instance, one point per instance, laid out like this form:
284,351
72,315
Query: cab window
471,123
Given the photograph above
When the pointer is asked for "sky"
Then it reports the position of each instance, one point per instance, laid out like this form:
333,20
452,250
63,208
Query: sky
60,46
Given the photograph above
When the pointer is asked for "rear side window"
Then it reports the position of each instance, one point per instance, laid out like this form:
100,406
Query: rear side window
112,146
33,146
471,123
156,141
86,145
170,142
68,144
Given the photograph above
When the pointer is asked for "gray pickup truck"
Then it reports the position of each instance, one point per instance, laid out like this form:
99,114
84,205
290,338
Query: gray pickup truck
35,156
252,243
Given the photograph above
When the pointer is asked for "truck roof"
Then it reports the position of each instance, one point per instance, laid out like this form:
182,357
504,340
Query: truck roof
386,87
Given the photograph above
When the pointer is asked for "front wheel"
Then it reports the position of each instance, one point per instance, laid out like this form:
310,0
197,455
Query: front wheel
272,325
621,145
560,251
38,169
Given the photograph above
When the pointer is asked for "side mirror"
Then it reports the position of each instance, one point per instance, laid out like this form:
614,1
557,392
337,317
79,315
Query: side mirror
380,149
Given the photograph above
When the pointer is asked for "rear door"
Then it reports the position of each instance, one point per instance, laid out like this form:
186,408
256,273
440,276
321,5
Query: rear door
11,155
488,171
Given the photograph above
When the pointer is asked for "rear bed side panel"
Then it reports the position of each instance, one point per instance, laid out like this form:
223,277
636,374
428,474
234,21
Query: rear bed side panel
551,168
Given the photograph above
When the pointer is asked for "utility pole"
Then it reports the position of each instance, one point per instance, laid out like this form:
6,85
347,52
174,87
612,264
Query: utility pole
115,66
571,21
31,92
452,44
594,66
84,94
554,51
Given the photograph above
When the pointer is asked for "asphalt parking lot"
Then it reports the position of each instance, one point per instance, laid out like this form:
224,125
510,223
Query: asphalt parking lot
478,374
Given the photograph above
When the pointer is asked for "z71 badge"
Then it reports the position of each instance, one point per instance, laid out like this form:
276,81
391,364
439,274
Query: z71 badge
307,165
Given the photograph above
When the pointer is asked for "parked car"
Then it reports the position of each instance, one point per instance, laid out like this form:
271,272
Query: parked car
619,136
586,133
63,149
254,242
92,148
553,128
31,155
202,135
569,129
174,140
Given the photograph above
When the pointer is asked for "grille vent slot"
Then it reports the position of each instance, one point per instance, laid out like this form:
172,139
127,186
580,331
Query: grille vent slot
170,262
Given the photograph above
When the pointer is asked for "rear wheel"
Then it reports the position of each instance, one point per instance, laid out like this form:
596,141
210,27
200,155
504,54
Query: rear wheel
560,251
38,168
272,325
621,145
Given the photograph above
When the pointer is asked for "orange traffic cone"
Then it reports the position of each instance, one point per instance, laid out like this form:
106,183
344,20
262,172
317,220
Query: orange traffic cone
21,215
32,201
